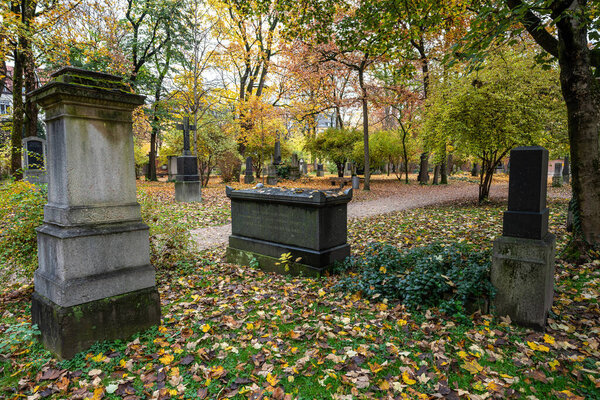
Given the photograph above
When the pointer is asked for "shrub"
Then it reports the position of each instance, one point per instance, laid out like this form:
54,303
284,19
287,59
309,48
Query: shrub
445,276
21,211
229,165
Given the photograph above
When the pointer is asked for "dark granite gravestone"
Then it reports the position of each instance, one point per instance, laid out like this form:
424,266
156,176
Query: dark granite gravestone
557,176
94,281
34,160
527,215
248,176
188,187
320,171
523,261
475,170
309,224
277,153
566,171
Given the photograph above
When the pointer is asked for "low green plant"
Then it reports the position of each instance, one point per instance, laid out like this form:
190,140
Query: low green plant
284,260
21,211
283,171
445,276
16,337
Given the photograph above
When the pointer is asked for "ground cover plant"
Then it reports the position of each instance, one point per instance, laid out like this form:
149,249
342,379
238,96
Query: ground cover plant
236,332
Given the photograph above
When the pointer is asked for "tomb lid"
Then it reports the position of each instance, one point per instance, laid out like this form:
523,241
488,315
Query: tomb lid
77,83
292,195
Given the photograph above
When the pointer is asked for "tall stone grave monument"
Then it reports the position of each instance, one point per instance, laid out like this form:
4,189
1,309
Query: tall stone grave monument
294,167
94,281
172,168
187,181
320,171
523,260
248,177
557,176
34,160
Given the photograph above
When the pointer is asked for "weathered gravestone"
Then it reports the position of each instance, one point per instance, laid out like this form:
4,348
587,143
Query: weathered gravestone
311,225
277,153
475,170
248,176
172,167
94,281
523,260
272,175
188,187
303,167
557,176
34,160
320,171
294,167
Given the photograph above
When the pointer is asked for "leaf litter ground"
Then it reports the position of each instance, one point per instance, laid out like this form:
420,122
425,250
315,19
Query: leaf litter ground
236,332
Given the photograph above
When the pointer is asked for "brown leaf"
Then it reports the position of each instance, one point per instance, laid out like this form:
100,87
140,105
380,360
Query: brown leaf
50,374
278,393
202,393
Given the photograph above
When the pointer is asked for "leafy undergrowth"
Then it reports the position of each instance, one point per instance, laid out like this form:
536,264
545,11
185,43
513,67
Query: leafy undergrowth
236,332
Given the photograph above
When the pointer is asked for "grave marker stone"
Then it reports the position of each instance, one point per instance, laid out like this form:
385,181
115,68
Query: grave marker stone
320,171
309,224
34,160
94,281
557,176
271,175
248,176
294,167
172,167
188,187
523,257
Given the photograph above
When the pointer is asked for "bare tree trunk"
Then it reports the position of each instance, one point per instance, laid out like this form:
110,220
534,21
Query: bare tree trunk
365,111
18,112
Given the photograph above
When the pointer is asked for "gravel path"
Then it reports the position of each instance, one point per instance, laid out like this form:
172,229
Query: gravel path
214,236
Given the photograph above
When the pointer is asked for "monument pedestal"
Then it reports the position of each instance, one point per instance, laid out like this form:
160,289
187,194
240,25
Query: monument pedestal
523,275
188,192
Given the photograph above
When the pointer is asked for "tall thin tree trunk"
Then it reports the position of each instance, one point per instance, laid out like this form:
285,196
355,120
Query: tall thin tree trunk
365,111
18,112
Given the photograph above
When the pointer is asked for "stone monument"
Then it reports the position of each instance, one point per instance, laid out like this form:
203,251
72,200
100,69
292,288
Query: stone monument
294,167
188,187
272,175
320,171
523,258
475,170
557,176
172,168
269,222
94,281
248,176
34,160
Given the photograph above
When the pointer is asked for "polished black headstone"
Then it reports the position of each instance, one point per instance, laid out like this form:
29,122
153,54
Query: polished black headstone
35,154
527,215
187,169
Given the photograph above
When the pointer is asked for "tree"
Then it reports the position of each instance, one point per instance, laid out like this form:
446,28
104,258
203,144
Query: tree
336,145
511,102
566,30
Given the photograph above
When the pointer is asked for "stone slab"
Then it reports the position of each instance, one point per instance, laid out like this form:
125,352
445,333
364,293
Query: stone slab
523,275
528,179
66,331
188,192
525,224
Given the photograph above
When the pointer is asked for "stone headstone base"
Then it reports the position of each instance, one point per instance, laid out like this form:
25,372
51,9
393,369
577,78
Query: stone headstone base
311,263
523,275
35,176
65,331
557,181
294,173
355,182
248,179
320,173
271,180
188,192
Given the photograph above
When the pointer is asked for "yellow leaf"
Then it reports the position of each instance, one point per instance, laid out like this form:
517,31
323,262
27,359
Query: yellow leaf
407,379
382,306
539,347
383,270
166,359
249,326
321,293
473,367
553,364
99,358
462,354
548,339
384,385
402,322
205,328
272,379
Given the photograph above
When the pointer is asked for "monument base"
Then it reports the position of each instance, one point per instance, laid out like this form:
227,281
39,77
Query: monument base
188,192
35,176
248,179
557,181
65,331
311,263
523,275
320,173
271,180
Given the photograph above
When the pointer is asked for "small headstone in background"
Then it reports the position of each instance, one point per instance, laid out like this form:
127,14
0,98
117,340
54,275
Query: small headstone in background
523,257
320,171
557,176
172,167
294,167
277,153
303,167
566,171
475,170
248,176
272,175
355,182
188,187
34,160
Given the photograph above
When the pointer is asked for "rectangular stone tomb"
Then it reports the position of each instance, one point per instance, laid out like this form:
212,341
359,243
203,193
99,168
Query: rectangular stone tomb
311,225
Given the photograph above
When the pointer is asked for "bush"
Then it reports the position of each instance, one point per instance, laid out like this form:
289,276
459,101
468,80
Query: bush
229,164
170,240
21,211
445,276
